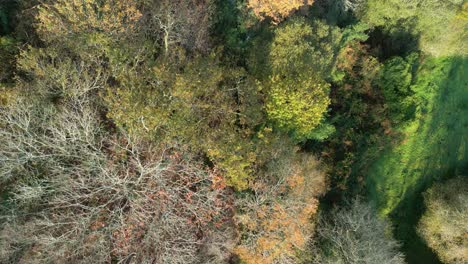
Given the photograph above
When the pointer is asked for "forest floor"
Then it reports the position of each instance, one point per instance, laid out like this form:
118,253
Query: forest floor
434,147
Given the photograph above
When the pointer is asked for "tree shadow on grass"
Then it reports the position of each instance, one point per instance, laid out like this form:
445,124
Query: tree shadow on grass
435,149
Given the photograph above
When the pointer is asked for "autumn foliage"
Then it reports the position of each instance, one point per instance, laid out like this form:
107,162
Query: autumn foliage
76,16
275,230
443,225
277,10
104,198
207,131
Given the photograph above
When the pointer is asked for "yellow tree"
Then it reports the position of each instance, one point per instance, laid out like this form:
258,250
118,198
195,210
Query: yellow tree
443,224
63,17
277,10
205,106
297,103
301,56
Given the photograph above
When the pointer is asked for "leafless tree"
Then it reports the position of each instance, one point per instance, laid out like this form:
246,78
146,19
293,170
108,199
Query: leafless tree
182,22
77,194
356,235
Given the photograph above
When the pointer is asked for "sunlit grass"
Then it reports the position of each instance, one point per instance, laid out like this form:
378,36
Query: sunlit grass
433,144
433,148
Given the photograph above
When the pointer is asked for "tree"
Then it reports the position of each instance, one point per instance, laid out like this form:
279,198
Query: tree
53,75
76,194
7,95
204,106
355,235
86,30
301,57
354,6
343,13
211,98
59,18
443,224
82,36
297,103
8,51
181,22
395,80
278,230
277,10
360,116
463,13
299,47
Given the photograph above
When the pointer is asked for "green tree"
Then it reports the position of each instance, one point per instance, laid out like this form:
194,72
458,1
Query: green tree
395,80
299,47
8,51
360,116
59,18
301,58
297,104
209,97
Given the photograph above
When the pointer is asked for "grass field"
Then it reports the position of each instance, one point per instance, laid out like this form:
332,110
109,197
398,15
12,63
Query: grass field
434,148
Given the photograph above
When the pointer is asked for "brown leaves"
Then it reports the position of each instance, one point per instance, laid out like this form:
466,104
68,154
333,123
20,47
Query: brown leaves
185,203
274,230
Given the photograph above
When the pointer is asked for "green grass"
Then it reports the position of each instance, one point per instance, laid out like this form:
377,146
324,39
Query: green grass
434,148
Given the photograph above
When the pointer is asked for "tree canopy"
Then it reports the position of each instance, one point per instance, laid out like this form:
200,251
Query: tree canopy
249,132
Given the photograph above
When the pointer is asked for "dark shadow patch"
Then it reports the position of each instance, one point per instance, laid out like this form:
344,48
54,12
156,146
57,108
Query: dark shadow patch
398,42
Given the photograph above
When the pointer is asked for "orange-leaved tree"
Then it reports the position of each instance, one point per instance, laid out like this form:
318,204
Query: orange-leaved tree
275,230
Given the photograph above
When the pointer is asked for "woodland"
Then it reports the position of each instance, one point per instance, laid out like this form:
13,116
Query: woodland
234,131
